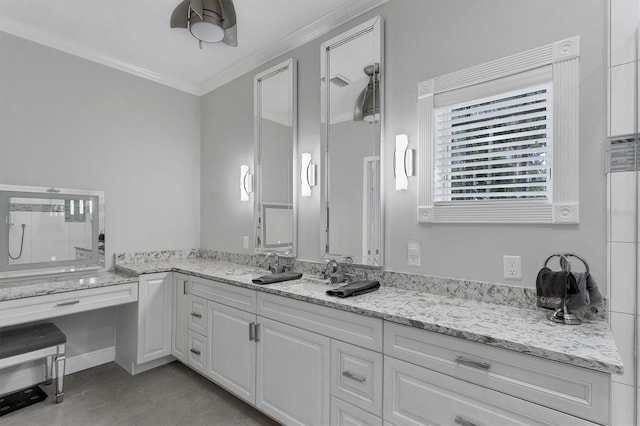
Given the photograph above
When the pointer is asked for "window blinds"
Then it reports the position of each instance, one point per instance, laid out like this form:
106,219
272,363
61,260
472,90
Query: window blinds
495,148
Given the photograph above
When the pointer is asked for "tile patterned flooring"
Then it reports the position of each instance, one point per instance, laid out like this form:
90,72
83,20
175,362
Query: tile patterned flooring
167,395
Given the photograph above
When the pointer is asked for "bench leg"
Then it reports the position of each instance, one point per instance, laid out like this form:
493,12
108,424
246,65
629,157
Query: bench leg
60,367
48,370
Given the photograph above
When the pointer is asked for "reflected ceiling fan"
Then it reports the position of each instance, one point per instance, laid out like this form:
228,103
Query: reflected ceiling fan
210,21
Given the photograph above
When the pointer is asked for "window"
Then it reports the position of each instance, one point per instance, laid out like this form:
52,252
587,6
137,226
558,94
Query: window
498,142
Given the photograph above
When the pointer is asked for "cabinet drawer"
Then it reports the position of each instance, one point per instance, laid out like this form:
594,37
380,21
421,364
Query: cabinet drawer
356,376
197,314
573,390
227,294
418,396
52,305
345,414
357,329
197,351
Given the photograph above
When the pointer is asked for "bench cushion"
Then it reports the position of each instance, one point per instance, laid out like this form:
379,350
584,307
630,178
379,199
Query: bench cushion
23,339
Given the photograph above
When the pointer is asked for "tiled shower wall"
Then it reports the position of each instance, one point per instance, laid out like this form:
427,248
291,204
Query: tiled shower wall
622,202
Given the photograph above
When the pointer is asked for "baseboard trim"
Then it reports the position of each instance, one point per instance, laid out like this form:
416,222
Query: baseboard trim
31,373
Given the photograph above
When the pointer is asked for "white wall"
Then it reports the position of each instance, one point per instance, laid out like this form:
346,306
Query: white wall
67,122
425,39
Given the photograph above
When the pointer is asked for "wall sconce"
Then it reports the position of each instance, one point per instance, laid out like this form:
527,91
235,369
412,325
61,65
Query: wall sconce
307,175
403,162
246,183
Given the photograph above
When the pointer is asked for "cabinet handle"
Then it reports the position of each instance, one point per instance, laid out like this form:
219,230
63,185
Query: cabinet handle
184,286
195,314
471,363
195,351
256,337
68,302
252,331
462,422
355,377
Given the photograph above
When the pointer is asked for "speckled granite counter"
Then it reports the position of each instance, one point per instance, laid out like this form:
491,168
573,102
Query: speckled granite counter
589,345
39,286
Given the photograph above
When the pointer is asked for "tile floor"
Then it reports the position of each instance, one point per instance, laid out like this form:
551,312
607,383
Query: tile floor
167,395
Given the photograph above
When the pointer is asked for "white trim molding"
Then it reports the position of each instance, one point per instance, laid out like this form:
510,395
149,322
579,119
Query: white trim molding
342,14
563,208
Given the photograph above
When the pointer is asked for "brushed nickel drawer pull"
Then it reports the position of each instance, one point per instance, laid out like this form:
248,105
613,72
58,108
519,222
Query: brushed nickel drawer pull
257,331
68,302
195,351
462,422
352,376
252,331
195,314
471,363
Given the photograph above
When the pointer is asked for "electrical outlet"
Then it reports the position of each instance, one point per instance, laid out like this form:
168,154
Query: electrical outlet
512,267
245,243
413,253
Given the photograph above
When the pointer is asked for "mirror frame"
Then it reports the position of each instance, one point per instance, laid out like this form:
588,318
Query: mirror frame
95,262
290,67
376,26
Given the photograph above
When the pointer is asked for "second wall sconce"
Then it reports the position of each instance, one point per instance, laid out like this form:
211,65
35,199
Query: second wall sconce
246,183
307,175
403,162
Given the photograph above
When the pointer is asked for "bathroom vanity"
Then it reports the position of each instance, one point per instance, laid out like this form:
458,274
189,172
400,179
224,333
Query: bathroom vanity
394,356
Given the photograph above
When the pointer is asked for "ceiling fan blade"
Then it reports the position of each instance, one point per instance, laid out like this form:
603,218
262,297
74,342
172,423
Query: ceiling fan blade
196,6
231,36
180,15
228,14
229,23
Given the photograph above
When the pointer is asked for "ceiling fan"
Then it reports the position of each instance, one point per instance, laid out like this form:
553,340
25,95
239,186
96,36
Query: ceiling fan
210,21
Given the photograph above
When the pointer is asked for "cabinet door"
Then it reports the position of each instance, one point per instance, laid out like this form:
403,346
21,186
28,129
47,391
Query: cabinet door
179,324
154,316
232,351
292,381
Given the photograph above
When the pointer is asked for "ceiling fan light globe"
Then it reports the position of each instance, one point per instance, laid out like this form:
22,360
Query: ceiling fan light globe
208,29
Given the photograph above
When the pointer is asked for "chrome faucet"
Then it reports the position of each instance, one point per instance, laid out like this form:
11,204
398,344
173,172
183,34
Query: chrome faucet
273,268
330,269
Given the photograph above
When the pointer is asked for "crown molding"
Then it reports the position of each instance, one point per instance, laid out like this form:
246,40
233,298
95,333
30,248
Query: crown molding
39,36
311,31
319,27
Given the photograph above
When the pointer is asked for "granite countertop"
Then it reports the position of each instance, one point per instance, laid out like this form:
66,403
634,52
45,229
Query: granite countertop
589,345
19,288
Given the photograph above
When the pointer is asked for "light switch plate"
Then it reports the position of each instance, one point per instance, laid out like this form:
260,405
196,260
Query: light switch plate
413,253
245,243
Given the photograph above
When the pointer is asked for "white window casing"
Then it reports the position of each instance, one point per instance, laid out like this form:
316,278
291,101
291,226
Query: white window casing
498,142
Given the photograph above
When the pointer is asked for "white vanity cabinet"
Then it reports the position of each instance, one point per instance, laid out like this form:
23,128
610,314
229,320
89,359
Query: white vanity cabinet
432,378
232,350
292,374
154,316
150,344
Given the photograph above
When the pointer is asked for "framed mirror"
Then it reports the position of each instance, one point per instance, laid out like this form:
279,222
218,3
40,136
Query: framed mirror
352,101
50,230
275,209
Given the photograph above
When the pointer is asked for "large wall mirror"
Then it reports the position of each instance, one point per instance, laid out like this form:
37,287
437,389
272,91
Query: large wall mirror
275,159
50,230
352,116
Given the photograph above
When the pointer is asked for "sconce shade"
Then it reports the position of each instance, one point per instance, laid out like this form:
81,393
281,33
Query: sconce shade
246,183
403,162
367,106
307,175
